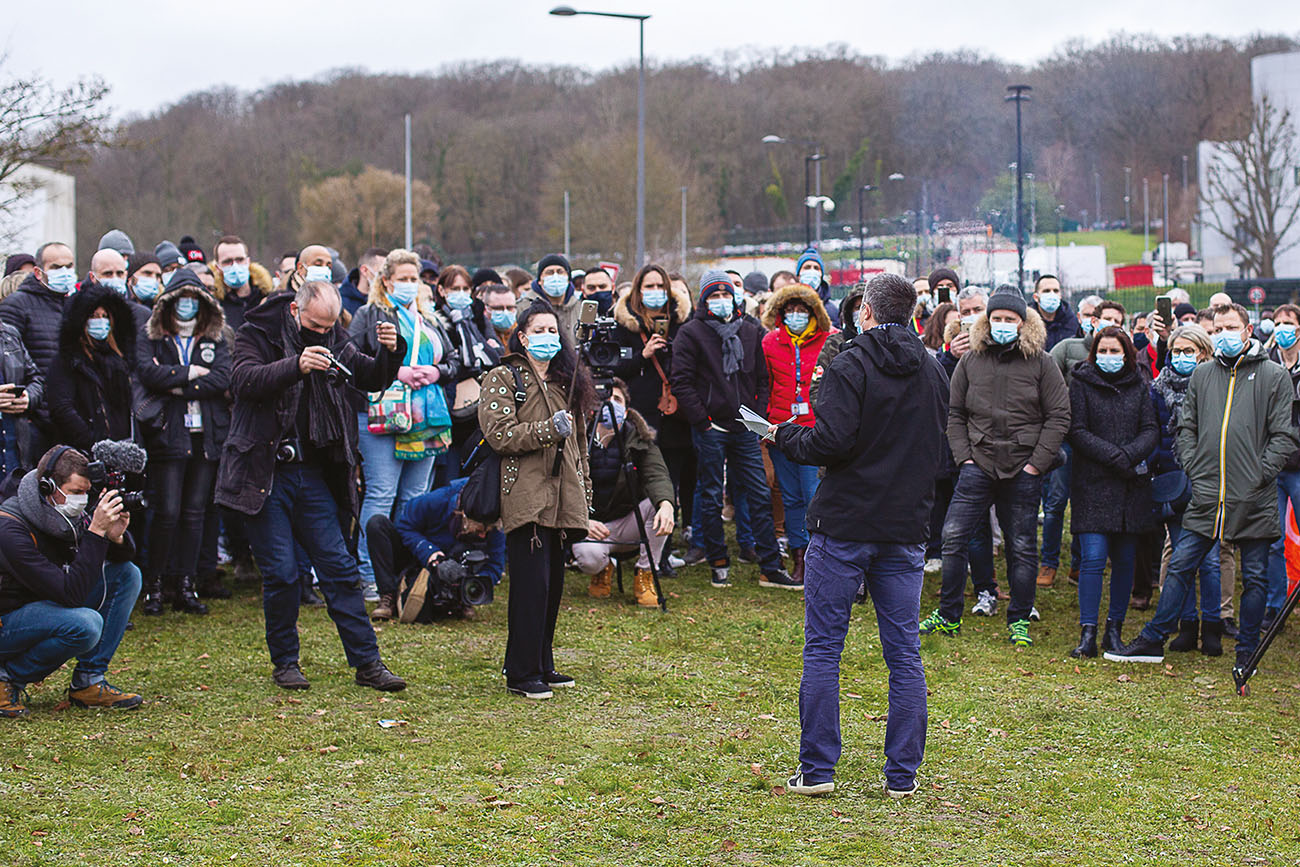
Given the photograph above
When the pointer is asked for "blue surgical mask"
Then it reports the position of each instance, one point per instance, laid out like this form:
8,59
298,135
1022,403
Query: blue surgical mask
459,299
968,319
403,294
811,277
796,321
544,346
721,305
1004,332
1049,301
235,275
654,299
1183,365
146,288
61,280
555,284
117,284
1285,335
620,413
1266,327
169,276
502,320
319,273
1110,363
187,308
98,327
1229,344
1087,325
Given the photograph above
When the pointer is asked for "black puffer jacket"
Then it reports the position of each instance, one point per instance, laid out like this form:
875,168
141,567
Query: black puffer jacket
1113,431
162,371
612,496
705,395
16,366
88,390
36,310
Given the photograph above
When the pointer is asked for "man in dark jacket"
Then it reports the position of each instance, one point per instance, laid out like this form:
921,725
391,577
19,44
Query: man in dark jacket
718,367
290,461
1234,437
67,584
237,281
20,396
879,433
1059,319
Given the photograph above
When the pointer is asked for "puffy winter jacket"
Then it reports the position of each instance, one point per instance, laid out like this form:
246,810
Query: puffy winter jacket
36,311
791,367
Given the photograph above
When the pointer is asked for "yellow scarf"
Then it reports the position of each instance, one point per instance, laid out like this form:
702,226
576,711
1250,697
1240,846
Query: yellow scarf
809,331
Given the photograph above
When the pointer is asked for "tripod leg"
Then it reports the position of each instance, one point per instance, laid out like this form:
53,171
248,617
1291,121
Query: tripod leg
1243,674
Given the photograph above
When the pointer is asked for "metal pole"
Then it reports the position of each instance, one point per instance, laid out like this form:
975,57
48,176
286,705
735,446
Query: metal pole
640,154
1033,205
1020,205
410,235
683,230
1184,173
923,238
807,193
1128,194
1146,216
862,249
817,191
566,224
1059,213
1164,223
1096,181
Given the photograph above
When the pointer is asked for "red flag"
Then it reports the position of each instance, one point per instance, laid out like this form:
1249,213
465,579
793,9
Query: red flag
1292,551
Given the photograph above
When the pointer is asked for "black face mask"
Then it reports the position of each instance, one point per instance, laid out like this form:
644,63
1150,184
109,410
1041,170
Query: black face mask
313,338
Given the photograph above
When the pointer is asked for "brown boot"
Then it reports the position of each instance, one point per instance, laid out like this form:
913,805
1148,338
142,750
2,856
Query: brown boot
796,568
105,695
386,609
643,587
1046,576
12,700
599,588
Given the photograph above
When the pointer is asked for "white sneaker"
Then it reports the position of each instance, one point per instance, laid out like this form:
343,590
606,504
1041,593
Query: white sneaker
933,566
675,561
986,605
369,591
898,794
796,786
1034,615
720,576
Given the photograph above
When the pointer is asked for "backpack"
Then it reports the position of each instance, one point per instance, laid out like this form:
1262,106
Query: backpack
480,499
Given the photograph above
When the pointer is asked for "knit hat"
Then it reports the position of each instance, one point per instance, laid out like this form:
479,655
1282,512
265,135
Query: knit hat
136,261
943,274
810,255
18,260
755,282
712,281
190,251
1008,298
484,275
554,259
116,239
429,265
168,254
1182,310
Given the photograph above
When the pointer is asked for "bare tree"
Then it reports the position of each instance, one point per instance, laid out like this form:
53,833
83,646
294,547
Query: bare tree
1252,194
354,212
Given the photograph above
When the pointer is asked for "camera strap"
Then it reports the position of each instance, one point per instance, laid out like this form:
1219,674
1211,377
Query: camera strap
667,400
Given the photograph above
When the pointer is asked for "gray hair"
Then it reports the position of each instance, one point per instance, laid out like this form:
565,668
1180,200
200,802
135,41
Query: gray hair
310,290
973,292
1196,334
891,298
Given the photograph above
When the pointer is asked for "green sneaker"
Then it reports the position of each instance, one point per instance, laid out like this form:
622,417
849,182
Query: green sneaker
936,622
1018,634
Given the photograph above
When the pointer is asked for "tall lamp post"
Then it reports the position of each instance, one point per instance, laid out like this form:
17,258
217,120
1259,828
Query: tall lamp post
1019,93
568,12
809,190
862,227
1128,195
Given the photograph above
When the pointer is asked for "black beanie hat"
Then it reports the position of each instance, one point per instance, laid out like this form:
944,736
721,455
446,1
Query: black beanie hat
190,250
943,274
554,259
484,275
138,261
1008,298
1182,310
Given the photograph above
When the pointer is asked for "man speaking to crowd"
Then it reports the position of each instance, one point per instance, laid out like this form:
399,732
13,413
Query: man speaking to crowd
881,415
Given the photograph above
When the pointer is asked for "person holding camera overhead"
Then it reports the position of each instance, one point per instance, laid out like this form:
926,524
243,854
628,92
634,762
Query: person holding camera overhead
89,387
290,463
545,484
185,419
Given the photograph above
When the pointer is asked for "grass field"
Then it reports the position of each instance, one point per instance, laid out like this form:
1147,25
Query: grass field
1122,248
672,750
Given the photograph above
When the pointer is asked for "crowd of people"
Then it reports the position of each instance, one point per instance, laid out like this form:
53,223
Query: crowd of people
322,431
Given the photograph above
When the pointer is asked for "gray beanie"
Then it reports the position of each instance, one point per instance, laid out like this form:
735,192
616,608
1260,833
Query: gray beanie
756,282
1008,298
712,281
168,254
116,239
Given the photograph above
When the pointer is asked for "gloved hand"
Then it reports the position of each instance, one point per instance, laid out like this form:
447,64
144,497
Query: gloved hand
563,423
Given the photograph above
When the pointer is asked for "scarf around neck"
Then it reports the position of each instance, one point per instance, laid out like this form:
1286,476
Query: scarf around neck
326,404
733,351
29,505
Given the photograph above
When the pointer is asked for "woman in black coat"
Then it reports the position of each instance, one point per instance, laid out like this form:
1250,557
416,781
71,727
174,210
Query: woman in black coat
1113,432
89,388
185,371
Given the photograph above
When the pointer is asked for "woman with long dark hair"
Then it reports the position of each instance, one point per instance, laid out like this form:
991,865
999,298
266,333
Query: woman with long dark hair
89,387
545,484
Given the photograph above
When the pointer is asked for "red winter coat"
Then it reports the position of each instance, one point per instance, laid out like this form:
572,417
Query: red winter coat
779,350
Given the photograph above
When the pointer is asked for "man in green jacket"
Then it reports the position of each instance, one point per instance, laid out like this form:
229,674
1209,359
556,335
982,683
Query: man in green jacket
1234,437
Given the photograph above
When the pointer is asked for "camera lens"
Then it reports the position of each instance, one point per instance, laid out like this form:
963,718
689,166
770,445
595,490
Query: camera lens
476,590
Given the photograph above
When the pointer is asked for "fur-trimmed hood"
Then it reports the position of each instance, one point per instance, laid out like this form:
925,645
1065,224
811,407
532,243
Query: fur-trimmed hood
79,308
1033,335
258,277
210,322
679,309
782,298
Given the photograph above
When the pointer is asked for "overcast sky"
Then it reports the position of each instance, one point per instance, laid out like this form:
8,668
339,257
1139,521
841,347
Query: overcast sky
153,52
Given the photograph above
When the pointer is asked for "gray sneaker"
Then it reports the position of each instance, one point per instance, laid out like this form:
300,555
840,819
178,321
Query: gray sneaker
720,576
986,605
370,591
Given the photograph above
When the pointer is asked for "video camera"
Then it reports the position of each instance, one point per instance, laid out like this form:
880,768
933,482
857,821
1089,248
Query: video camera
461,580
599,348
113,468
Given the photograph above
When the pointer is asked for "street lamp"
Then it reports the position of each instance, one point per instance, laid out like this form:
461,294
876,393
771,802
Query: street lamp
809,190
1128,195
1019,93
862,229
569,12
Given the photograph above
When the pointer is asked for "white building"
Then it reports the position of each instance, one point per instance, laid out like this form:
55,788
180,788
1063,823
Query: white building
39,205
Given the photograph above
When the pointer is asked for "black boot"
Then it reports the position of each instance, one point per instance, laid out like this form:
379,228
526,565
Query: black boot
1186,640
1211,638
210,586
1112,638
152,599
1087,643
307,594
185,599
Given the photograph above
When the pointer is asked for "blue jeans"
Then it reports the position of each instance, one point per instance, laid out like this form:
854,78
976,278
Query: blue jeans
744,530
833,571
1121,548
1288,488
1188,554
739,452
798,484
389,484
301,507
39,637
1056,496
1211,593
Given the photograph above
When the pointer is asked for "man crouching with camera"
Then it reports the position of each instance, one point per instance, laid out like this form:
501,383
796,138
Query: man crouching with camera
67,584
290,462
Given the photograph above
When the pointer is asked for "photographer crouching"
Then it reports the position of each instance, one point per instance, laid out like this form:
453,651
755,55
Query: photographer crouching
67,584
290,462
465,559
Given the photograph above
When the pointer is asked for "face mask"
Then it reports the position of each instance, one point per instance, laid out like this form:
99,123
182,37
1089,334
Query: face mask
620,413
187,308
968,319
1286,336
1004,332
1266,327
1229,343
61,280
544,346
654,299
555,284
796,321
73,505
1087,325
167,278
924,300
459,300
312,338
117,284
811,277
1183,364
235,275
1110,363
721,305
146,288
502,320
404,293
1050,302
98,327
319,273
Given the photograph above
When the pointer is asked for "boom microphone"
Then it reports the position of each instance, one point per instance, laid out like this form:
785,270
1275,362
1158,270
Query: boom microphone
122,456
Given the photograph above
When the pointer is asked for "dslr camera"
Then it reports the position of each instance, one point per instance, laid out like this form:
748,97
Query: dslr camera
461,580
596,337
118,465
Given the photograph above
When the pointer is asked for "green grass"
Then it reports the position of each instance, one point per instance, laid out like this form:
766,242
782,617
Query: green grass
1122,248
670,751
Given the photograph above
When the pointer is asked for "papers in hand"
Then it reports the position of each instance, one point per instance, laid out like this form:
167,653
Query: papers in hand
755,422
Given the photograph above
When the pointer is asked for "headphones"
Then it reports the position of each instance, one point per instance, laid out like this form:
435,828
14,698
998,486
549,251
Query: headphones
46,482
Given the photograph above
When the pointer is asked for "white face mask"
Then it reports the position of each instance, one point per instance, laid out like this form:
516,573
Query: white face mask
73,505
